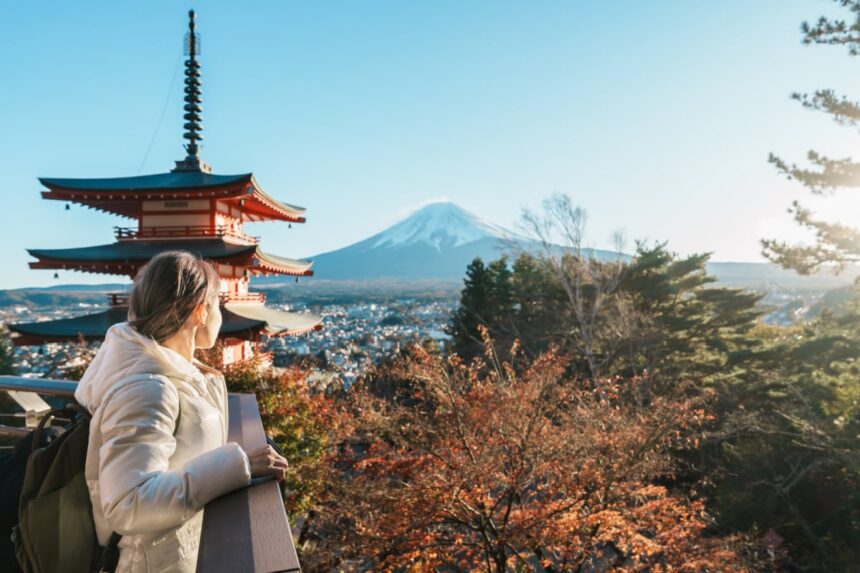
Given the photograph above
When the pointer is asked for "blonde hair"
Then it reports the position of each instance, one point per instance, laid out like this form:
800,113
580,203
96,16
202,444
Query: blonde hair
166,291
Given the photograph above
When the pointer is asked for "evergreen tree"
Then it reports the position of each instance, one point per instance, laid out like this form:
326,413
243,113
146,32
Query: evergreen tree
540,313
474,309
7,352
684,326
500,304
835,243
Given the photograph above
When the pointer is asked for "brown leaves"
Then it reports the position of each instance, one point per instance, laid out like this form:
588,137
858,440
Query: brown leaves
500,465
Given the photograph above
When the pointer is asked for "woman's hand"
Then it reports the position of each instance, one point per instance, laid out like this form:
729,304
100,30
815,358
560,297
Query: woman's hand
266,461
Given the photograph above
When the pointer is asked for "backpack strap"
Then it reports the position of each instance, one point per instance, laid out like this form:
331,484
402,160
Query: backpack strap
110,555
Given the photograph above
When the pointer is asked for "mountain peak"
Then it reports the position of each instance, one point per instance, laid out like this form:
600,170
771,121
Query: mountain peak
439,224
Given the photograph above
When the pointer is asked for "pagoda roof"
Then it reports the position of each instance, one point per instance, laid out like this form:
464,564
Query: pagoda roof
125,257
122,195
153,182
245,326
278,322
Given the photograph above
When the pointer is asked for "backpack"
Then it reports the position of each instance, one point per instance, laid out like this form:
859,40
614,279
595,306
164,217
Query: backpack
12,468
56,530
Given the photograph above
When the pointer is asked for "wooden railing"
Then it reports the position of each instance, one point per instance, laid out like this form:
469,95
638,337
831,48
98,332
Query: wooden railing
182,232
118,299
245,530
247,297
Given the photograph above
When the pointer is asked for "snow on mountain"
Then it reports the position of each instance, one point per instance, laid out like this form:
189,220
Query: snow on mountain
443,224
437,241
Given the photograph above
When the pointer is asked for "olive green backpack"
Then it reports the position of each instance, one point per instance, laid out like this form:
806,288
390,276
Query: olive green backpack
56,531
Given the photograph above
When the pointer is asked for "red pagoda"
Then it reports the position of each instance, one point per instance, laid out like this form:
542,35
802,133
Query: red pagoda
188,208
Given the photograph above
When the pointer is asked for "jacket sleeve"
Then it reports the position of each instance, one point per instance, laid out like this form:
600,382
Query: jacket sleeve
139,494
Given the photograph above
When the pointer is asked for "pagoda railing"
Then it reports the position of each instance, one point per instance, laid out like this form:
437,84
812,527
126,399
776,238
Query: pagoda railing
247,297
244,530
118,299
182,232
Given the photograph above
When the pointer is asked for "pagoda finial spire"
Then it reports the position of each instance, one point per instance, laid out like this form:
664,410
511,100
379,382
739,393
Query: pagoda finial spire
193,107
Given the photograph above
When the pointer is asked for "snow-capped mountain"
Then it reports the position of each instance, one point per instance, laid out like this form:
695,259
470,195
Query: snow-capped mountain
436,242
439,225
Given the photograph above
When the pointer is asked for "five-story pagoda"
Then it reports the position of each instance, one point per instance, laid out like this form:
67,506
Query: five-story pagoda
188,208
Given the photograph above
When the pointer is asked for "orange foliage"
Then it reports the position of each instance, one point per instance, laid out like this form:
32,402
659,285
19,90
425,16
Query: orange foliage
491,466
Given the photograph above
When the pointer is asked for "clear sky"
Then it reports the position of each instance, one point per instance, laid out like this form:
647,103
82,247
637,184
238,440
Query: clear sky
656,116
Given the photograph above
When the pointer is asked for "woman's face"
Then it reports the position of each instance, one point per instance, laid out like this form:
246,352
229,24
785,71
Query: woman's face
210,323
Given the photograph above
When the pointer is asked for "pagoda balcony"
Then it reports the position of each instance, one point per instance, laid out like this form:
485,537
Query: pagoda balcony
183,232
116,299
249,297
244,530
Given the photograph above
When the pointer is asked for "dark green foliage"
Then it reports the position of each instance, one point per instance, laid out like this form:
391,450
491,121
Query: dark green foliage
475,308
7,352
685,326
515,302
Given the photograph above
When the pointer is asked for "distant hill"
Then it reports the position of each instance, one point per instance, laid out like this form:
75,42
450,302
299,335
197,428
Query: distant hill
770,277
60,295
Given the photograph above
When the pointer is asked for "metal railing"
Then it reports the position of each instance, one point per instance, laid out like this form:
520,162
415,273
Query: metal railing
245,530
182,232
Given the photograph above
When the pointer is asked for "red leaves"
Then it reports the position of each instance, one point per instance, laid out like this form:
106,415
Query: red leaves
497,464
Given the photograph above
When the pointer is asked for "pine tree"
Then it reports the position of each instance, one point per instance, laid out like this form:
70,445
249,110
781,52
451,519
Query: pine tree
835,244
474,309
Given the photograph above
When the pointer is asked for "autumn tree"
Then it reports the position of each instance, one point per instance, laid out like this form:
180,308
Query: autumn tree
489,467
300,421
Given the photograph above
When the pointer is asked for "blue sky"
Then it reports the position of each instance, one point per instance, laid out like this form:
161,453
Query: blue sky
657,116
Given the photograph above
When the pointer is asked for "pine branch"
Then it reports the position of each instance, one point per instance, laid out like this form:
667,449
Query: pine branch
834,173
844,111
835,244
835,32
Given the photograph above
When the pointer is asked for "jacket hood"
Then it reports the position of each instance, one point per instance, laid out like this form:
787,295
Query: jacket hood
126,352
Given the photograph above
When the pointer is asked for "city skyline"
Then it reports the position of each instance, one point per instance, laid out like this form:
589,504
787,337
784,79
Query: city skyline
656,119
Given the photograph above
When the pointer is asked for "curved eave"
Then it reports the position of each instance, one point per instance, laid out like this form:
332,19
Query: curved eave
89,327
121,195
277,322
261,205
92,327
266,263
125,257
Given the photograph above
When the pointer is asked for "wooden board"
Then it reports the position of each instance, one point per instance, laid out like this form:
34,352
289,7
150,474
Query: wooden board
247,530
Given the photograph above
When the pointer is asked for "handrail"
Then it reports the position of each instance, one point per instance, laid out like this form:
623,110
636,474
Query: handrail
248,529
46,386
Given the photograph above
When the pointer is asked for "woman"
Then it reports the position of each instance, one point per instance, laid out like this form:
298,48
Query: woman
158,449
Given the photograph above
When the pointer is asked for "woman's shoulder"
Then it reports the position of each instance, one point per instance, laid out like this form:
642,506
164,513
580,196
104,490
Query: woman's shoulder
142,388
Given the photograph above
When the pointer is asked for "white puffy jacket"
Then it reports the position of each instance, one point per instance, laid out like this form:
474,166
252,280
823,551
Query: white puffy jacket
146,483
